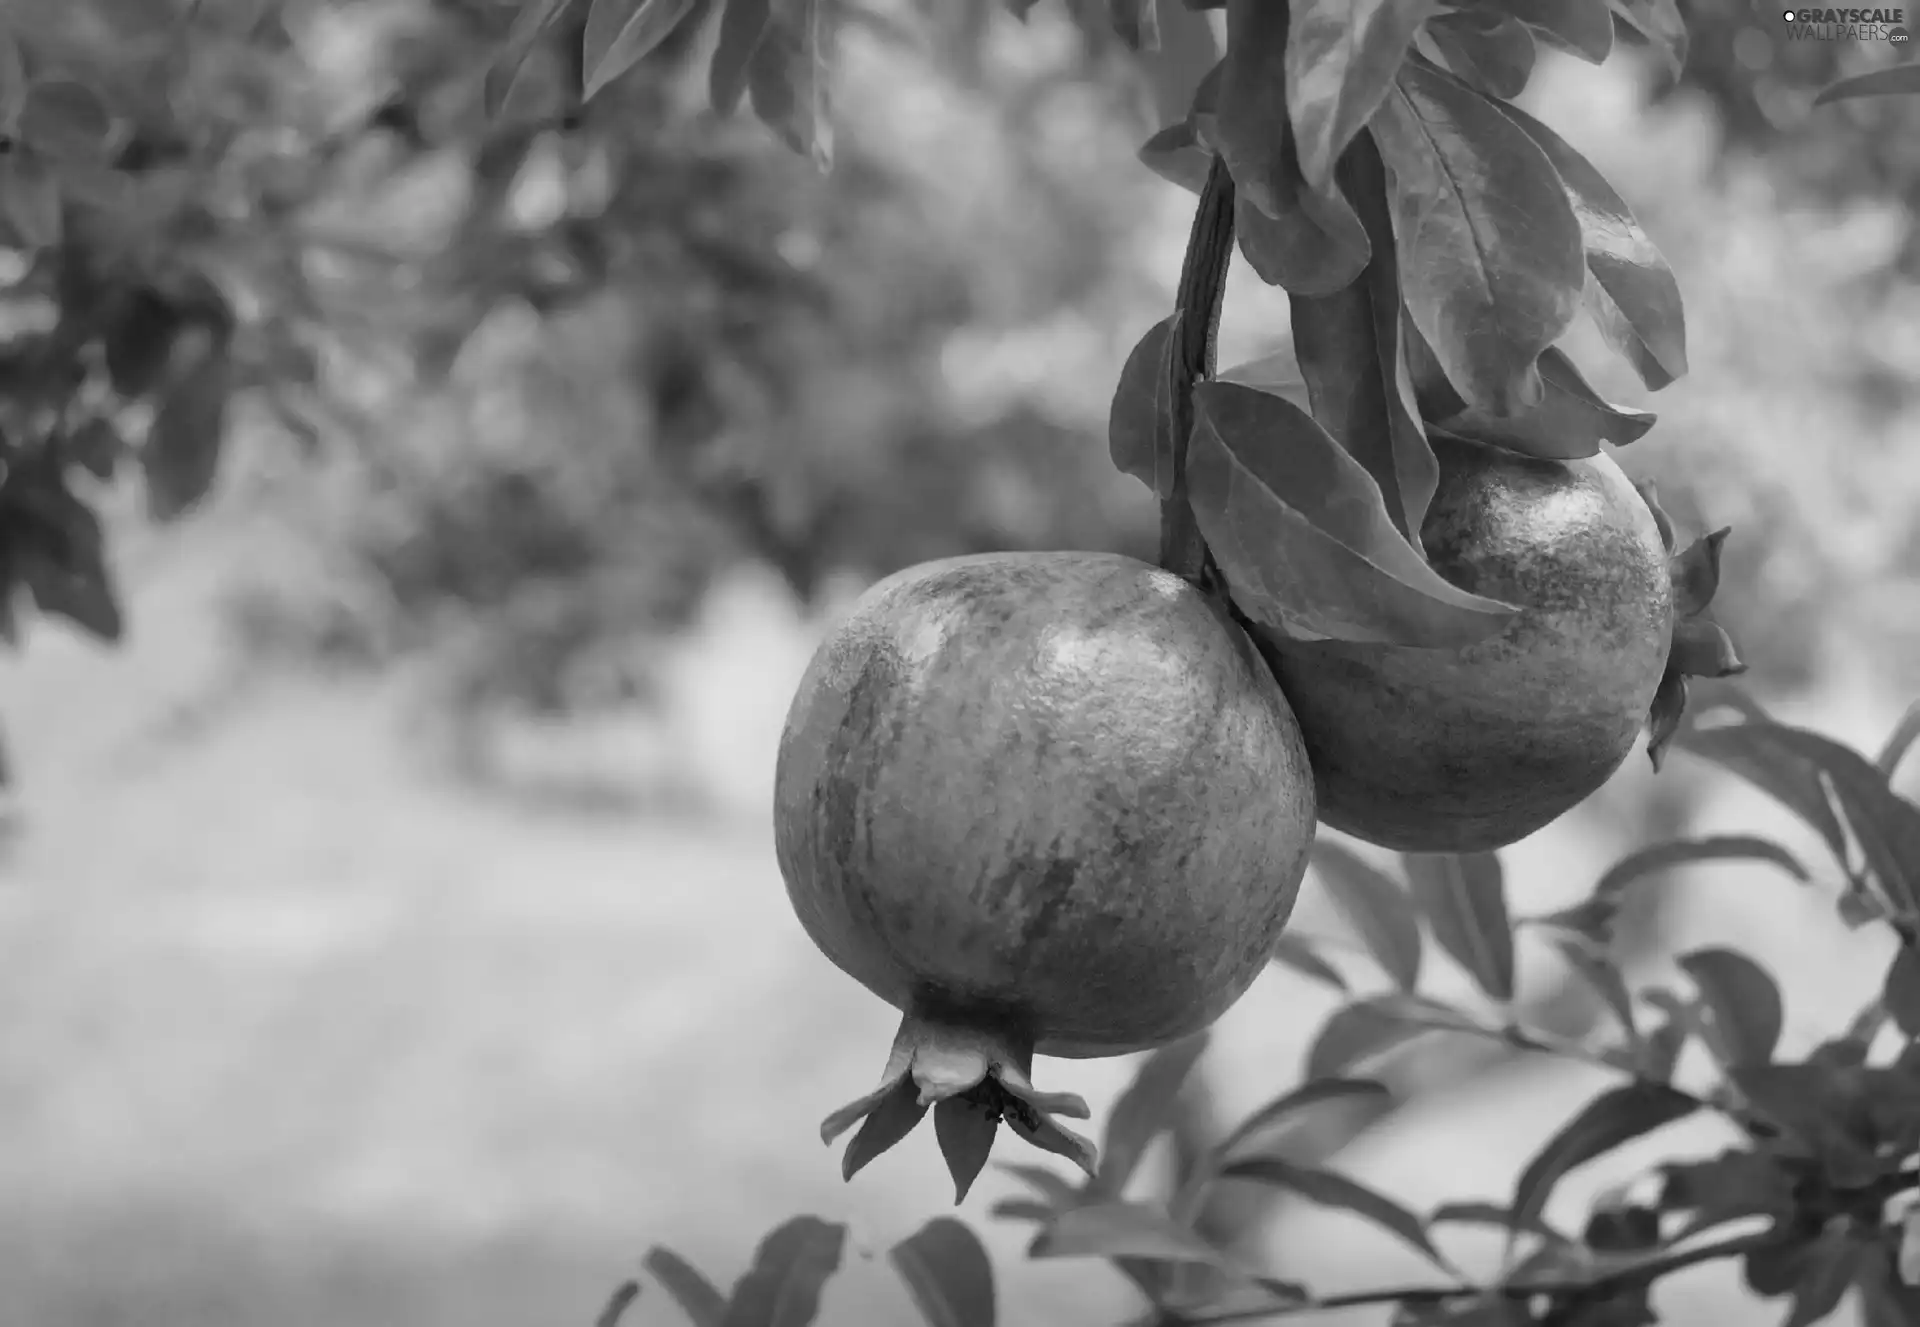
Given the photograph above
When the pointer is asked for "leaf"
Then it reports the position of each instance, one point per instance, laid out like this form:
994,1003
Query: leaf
1899,80
1743,1003
1137,22
181,455
1315,248
1597,968
1614,1118
1142,1112
1359,1032
1900,741
1375,906
1464,898
96,447
1902,993
1139,422
1658,21
1491,257
948,1274
617,1304
1341,60
1733,1186
1570,422
1303,535
742,25
1832,1262
59,552
1346,347
1790,781
13,77
1175,155
66,121
1659,857
787,78
1494,52
1579,27
1123,1230
1490,1214
1289,1104
965,1130
30,201
697,1297
1818,1108
792,1265
1632,294
1331,1189
1886,826
619,34
1298,955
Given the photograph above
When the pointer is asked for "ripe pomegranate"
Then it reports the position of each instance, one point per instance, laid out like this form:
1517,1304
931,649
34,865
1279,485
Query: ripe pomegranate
1463,750
1029,800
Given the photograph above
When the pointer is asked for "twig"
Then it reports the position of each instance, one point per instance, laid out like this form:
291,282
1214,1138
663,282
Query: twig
1203,283
617,1304
1637,1274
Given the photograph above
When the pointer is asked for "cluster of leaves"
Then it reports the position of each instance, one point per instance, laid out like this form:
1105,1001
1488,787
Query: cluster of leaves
1817,1199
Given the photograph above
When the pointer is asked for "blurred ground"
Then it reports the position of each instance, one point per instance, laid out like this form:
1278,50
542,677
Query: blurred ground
302,1034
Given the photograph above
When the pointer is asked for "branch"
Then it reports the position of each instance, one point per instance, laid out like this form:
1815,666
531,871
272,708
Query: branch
1203,287
1636,1274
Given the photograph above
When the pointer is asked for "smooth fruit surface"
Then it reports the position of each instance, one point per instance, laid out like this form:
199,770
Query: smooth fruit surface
1055,794
1472,749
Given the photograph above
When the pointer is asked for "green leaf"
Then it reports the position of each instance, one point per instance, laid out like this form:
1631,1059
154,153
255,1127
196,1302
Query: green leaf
1316,247
1341,60
1902,993
1124,1230
1597,968
1175,155
792,1265
1142,1112
619,34
13,78
1571,420
59,553
1139,422
1828,1273
1375,906
1633,297
617,1304
1900,741
1491,257
1660,857
1346,346
1361,1032
181,454
1886,826
1790,781
1303,534
787,78
1614,1118
1734,1186
1579,27
30,201
1821,1109
1287,1105
1296,954
1330,1189
689,1288
96,447
1464,898
948,1274
1742,1001
1659,21
1491,1214
1494,52
742,25
1137,22
1901,80
1056,1189
66,121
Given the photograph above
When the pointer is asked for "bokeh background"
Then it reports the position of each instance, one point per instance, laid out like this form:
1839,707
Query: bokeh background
389,930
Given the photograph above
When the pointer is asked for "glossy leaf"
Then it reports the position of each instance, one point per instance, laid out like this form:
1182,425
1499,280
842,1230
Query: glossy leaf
1298,955
742,25
1464,899
1139,422
790,1268
1658,21
619,34
184,444
1303,535
1176,155
1491,257
1346,346
1900,741
1614,1118
1579,27
787,78
1571,420
1142,1112
1375,906
1342,57
1494,52
1315,248
699,1299
503,77
1330,1189
1902,993
1743,1003
1632,295
65,120
1901,80
1365,1030
1123,1230
948,1273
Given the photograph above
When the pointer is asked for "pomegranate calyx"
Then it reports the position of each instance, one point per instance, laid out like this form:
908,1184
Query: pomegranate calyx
971,1077
1700,646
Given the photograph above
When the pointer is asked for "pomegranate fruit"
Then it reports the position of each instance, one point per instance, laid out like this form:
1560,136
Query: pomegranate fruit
1463,750
1038,802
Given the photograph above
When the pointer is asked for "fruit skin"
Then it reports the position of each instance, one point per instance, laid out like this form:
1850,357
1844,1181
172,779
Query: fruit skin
1465,750
1057,794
